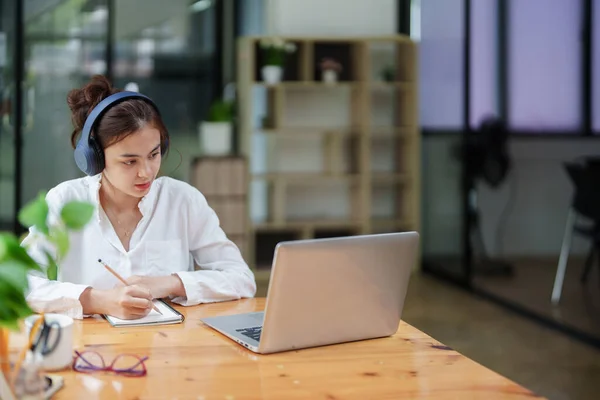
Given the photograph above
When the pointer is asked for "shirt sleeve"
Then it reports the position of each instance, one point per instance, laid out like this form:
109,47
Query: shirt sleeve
43,294
224,275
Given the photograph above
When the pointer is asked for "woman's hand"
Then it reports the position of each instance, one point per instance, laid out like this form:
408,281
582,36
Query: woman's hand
125,302
160,286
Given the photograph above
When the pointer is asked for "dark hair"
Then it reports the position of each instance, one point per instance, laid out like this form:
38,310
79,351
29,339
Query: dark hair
119,121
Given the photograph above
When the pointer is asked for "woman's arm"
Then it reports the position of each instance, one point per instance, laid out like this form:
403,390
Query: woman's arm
43,294
224,275
76,300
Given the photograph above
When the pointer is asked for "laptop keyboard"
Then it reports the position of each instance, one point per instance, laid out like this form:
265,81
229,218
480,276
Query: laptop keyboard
252,333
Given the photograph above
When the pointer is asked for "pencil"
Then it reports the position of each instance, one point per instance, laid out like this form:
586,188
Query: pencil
119,277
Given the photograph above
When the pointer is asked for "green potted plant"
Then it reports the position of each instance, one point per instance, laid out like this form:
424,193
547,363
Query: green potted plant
216,130
388,73
274,51
15,264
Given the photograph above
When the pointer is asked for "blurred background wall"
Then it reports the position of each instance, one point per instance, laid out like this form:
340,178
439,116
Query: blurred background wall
530,63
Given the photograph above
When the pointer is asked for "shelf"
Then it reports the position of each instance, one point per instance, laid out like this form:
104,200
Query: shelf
336,39
217,197
339,84
304,224
301,131
378,223
307,85
357,158
382,178
390,224
390,132
393,85
377,178
304,177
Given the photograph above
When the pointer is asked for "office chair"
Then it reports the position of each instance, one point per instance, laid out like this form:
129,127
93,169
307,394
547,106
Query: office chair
585,177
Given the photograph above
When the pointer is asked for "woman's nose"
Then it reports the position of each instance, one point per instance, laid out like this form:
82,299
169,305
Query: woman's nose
145,170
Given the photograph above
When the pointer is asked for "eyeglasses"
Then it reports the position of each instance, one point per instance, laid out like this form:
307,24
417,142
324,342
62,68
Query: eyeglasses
124,364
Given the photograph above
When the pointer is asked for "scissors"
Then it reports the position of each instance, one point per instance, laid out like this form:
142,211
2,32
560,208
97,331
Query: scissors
42,343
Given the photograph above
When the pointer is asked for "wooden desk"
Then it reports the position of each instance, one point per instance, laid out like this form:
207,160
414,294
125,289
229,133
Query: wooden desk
192,361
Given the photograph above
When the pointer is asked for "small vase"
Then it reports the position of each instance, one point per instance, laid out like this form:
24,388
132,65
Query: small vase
271,74
330,76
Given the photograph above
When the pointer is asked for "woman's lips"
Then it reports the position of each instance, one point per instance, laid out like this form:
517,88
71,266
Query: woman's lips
143,186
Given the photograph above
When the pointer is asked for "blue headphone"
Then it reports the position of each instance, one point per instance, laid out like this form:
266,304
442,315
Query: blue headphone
89,155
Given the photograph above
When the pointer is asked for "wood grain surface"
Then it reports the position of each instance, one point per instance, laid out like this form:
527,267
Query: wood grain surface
192,361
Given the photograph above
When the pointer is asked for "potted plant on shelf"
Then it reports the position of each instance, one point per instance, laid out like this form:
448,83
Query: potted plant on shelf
217,130
274,51
15,264
330,69
388,73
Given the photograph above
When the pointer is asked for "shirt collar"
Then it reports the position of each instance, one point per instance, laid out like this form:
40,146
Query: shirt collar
145,205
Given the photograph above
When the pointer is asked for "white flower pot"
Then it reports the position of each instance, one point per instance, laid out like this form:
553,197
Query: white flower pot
215,138
271,74
330,76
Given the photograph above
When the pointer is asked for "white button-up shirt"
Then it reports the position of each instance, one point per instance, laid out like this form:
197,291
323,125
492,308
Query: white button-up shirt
177,228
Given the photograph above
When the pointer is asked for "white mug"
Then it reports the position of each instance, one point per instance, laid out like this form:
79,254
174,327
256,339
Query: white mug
61,356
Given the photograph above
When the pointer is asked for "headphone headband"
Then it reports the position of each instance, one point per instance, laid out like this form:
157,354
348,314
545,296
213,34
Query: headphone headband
89,157
104,105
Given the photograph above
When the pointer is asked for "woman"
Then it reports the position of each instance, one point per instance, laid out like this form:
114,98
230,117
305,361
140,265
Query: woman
150,230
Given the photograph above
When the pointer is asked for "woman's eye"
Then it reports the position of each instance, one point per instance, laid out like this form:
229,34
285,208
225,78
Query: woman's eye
130,162
154,155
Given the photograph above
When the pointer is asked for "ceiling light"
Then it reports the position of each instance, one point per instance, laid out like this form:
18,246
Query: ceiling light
201,5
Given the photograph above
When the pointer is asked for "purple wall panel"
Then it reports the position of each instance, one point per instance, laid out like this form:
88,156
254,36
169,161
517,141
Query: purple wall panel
484,68
441,64
596,66
544,65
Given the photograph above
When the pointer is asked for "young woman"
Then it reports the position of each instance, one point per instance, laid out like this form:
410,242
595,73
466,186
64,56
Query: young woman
149,230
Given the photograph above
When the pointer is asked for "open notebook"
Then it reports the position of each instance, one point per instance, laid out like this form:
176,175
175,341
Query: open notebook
170,316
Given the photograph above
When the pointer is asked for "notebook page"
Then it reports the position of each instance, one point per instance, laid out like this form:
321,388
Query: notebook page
152,318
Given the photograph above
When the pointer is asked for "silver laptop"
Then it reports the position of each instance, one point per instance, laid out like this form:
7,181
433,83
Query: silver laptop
328,291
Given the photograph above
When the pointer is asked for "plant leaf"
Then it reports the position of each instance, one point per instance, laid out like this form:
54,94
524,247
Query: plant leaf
60,238
4,237
76,214
10,324
13,250
13,305
14,273
35,213
12,312
52,270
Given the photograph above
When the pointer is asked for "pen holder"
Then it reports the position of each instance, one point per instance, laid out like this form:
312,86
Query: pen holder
57,343
29,382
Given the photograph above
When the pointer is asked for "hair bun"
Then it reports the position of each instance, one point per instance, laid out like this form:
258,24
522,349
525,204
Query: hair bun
82,101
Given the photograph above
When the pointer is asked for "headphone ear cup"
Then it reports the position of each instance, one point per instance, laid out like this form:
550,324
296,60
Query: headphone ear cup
88,159
98,157
81,158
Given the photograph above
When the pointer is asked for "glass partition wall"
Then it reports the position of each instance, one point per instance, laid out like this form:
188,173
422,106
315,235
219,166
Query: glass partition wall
169,53
500,232
9,43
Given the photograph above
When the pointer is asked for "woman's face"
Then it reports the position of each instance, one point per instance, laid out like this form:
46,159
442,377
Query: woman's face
132,164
